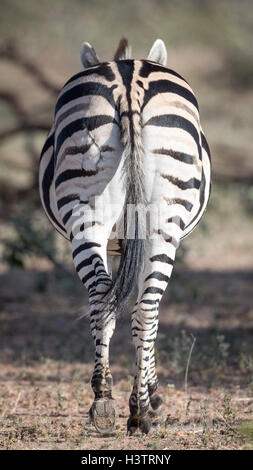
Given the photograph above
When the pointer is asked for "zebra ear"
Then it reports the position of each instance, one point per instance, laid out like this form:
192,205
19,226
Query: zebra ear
88,56
158,52
124,51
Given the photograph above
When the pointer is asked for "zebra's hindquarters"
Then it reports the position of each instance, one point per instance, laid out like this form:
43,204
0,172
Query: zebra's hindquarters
46,184
177,163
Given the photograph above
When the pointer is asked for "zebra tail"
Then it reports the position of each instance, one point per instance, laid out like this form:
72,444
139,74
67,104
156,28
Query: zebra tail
123,291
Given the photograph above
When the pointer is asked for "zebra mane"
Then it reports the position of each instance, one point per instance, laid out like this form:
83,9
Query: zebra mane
124,51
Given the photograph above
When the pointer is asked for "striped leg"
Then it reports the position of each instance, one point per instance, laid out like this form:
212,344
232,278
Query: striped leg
91,265
155,399
144,331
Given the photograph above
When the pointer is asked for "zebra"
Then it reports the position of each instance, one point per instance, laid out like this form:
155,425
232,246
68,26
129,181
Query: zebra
126,133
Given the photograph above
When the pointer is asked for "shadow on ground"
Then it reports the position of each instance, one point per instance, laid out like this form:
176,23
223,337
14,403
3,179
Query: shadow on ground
39,312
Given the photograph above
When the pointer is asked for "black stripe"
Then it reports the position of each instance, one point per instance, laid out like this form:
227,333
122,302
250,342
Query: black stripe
205,145
177,200
84,89
190,184
85,246
107,148
104,70
75,150
67,217
90,288
153,290
149,302
149,67
70,174
46,184
49,143
178,221
72,110
203,181
129,113
201,197
159,276
167,238
173,120
140,83
90,124
162,258
202,189
98,263
166,86
66,199
87,262
126,70
89,224
88,276
182,157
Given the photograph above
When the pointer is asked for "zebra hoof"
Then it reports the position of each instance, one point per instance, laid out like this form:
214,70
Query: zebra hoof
145,424
141,422
103,415
155,401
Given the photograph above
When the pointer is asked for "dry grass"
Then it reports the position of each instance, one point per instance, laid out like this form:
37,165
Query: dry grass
47,357
43,413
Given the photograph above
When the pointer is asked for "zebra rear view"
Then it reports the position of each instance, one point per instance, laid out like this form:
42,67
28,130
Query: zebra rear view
125,171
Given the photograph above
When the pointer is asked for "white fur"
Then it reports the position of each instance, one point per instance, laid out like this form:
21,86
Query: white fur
88,56
158,52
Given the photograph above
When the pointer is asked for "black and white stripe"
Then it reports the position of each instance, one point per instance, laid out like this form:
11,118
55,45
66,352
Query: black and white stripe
126,132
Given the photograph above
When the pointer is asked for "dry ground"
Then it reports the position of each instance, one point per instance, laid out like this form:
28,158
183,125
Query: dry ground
46,355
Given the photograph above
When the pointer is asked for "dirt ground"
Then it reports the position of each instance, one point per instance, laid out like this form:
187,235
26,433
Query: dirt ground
47,354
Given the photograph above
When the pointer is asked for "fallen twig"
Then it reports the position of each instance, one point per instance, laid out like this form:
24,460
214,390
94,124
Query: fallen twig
188,364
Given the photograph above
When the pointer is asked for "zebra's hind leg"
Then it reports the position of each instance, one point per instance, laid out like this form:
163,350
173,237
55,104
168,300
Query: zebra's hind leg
102,412
144,401
155,399
155,277
91,265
